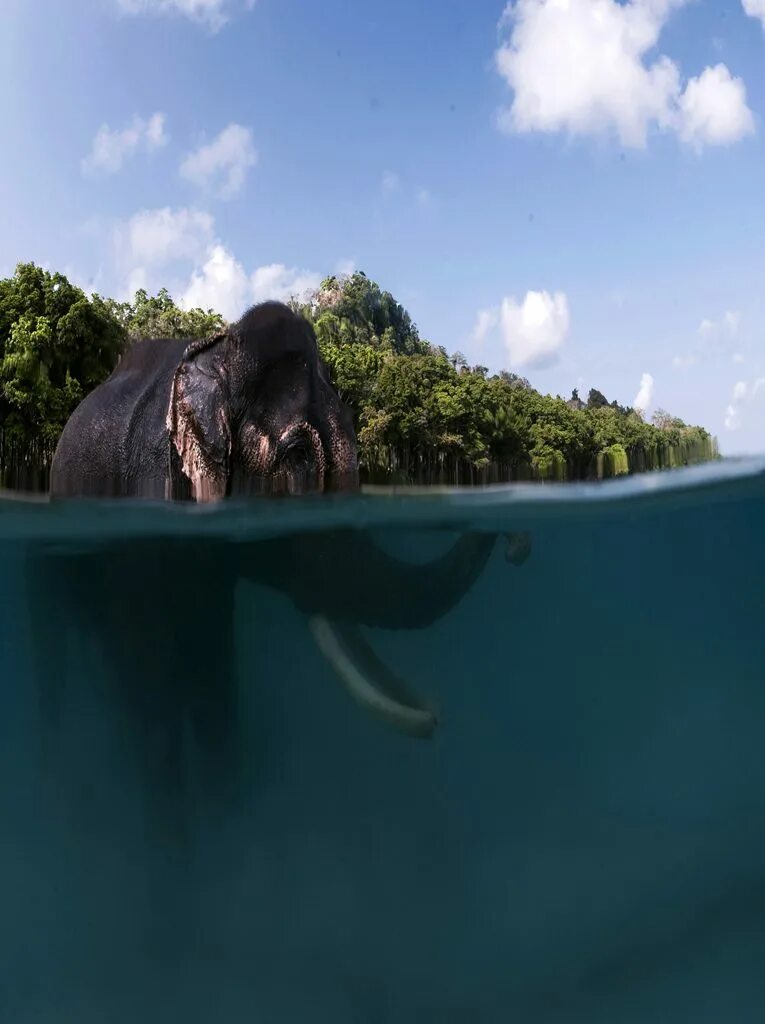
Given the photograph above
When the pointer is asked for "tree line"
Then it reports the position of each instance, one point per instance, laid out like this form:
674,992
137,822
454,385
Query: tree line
421,415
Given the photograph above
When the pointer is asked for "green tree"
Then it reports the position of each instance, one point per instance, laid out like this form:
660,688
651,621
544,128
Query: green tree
419,413
55,346
355,310
157,316
596,399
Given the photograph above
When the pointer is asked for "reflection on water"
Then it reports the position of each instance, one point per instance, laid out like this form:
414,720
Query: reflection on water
200,824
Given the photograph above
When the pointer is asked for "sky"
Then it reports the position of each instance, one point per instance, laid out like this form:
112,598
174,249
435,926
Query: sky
569,189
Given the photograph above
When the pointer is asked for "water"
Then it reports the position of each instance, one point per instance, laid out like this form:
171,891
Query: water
192,830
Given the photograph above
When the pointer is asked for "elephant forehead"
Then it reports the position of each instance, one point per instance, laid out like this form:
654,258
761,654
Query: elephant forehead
272,380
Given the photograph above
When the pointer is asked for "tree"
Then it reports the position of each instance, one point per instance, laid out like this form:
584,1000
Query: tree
363,313
596,399
666,421
55,346
418,412
514,380
157,316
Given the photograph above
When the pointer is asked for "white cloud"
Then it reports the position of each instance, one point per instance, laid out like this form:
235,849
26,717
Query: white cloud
733,322
345,267
727,326
683,362
644,397
535,329
582,66
276,281
732,418
714,110
755,9
486,321
156,238
223,284
212,13
179,249
744,393
738,359
220,284
390,181
110,148
223,163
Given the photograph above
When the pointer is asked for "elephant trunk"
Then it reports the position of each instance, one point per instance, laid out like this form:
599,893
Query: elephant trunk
346,578
349,582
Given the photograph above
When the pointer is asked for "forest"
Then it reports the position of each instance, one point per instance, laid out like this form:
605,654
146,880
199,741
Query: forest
421,415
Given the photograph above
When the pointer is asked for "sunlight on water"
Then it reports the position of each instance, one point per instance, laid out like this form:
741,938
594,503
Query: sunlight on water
200,824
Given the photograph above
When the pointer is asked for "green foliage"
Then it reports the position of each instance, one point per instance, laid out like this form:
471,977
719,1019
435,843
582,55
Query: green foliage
158,316
613,461
596,399
353,310
55,346
419,413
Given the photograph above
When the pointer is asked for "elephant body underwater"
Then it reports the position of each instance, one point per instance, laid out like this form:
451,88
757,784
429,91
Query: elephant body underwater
249,412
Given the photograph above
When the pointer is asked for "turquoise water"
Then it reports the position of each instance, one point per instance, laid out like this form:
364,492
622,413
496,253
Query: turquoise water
198,823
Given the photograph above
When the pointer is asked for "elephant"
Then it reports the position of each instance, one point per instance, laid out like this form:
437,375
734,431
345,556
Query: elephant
248,412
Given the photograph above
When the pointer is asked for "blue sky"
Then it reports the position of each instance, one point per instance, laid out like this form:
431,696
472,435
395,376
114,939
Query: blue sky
572,189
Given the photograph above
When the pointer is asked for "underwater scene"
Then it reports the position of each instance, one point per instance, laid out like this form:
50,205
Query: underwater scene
440,756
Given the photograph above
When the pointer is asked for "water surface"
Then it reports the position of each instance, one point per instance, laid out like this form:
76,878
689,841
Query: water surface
200,833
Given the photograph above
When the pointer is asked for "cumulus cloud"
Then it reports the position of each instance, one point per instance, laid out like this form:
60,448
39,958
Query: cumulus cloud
726,327
223,284
390,181
683,362
179,249
755,9
744,392
485,323
212,13
582,66
276,281
644,397
222,164
732,322
713,109
158,238
111,148
535,329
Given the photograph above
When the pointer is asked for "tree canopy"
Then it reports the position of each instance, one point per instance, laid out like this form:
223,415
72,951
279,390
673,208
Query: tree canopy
157,316
55,346
420,414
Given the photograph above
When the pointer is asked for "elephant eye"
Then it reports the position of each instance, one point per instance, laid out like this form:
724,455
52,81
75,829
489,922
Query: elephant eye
296,449
299,453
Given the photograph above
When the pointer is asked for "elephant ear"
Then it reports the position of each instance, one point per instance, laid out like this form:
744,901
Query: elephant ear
199,425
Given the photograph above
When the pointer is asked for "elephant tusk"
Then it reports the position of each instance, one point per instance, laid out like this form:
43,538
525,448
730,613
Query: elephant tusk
344,648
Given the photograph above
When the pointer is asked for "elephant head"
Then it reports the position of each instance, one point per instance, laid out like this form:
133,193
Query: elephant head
252,411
